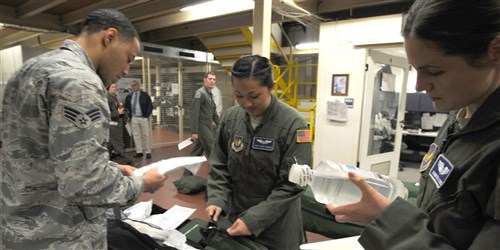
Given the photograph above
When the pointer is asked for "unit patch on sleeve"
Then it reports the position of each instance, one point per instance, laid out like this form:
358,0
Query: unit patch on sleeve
197,94
303,135
426,161
261,143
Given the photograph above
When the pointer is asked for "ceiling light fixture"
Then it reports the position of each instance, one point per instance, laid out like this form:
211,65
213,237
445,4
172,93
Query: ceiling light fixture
307,46
221,5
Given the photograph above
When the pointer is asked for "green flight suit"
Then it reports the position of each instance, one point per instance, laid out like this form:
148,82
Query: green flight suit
203,115
458,203
249,173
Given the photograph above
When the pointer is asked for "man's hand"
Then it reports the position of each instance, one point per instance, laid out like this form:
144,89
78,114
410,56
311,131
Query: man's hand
213,212
153,180
239,228
372,203
126,170
194,137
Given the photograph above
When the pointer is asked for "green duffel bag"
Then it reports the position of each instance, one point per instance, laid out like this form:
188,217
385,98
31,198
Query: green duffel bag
317,219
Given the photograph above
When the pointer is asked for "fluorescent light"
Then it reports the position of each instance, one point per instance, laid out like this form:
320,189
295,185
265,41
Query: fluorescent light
221,5
307,46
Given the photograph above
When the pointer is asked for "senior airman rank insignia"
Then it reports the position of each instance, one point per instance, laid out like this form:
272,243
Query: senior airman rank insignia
426,161
80,119
262,143
237,144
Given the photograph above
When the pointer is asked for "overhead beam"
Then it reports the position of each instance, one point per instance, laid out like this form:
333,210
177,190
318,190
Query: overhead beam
154,8
237,20
78,16
40,21
179,18
17,37
35,7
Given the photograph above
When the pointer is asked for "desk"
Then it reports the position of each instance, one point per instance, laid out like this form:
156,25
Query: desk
417,143
408,132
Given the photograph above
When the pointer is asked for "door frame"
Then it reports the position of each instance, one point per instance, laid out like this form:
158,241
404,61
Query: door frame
373,162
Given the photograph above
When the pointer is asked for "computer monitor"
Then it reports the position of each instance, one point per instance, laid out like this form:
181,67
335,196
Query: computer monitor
413,102
426,104
412,120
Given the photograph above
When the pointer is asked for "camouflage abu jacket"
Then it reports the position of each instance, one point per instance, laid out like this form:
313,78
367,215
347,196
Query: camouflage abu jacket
57,178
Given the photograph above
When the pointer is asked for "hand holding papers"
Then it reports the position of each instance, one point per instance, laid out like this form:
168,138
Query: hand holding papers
184,144
192,163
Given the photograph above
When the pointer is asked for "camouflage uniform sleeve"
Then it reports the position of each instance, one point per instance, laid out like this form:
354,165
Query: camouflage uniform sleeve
195,111
79,127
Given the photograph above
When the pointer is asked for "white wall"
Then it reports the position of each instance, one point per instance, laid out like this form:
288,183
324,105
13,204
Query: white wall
343,50
10,60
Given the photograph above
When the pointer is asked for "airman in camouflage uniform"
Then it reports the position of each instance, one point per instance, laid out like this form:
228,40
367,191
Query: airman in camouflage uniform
57,179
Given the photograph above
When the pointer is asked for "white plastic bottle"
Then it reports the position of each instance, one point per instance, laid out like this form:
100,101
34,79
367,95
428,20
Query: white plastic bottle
330,183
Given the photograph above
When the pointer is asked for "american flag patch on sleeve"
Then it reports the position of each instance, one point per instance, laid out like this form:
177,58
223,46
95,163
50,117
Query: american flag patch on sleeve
304,135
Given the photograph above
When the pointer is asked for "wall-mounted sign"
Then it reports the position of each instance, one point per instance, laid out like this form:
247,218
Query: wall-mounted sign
349,102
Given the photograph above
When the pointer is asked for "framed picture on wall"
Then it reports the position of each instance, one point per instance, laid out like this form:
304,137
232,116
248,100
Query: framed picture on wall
340,84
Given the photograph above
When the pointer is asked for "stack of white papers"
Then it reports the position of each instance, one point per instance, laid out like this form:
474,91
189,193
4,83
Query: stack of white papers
192,163
169,220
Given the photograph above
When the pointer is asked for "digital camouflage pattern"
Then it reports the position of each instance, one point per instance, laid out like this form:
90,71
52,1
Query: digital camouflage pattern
57,179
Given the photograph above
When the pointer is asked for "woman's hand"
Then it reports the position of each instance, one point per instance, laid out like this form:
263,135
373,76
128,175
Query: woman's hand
372,203
238,228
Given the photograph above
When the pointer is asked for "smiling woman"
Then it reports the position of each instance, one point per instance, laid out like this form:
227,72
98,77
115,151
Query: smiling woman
257,143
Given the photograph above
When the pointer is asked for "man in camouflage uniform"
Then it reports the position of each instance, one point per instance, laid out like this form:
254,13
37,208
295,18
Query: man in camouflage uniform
57,179
204,118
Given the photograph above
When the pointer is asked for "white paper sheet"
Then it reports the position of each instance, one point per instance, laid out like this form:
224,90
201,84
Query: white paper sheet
192,163
348,243
172,218
336,111
184,144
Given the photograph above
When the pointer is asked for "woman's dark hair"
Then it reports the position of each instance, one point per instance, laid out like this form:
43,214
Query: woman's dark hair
459,27
103,19
255,67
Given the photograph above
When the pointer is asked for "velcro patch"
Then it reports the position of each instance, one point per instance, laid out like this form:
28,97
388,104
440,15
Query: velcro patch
441,170
304,135
262,143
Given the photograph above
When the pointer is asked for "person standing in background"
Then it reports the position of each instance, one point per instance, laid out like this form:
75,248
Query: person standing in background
455,48
116,145
204,118
256,145
57,179
139,107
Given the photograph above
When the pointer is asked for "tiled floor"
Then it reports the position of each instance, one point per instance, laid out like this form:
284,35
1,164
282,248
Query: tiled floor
410,171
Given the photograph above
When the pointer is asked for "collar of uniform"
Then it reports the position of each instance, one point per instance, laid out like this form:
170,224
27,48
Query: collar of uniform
79,51
271,111
487,114
207,89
